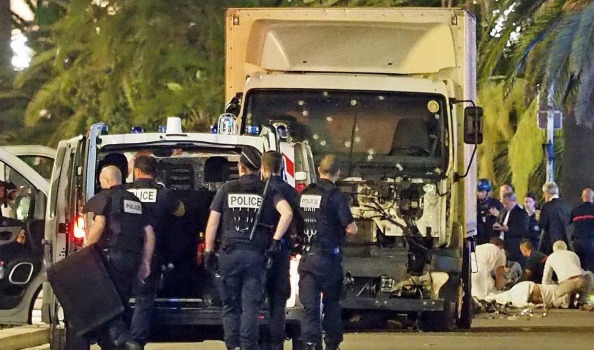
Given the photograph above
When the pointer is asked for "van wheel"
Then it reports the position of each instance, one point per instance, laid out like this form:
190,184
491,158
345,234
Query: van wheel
57,338
65,339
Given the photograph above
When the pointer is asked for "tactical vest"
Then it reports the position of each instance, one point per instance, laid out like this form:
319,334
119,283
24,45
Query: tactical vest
319,227
243,201
125,225
149,196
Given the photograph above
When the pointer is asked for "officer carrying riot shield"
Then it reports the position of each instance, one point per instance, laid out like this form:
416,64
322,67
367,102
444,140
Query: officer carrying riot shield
325,220
242,253
277,276
126,239
161,207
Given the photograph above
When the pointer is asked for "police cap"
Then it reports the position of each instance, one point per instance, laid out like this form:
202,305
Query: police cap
250,158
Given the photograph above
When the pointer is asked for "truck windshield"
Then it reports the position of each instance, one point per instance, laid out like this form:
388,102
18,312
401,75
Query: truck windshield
359,126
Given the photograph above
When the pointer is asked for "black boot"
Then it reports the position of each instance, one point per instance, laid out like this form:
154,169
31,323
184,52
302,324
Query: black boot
279,346
332,347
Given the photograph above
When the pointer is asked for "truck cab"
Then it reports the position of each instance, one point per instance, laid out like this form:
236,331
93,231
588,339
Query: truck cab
193,166
21,230
390,92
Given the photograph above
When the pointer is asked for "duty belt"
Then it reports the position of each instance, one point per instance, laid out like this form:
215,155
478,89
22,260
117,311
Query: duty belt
309,250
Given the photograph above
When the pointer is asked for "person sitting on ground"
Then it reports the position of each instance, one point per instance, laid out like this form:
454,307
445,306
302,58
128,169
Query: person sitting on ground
535,262
489,258
570,275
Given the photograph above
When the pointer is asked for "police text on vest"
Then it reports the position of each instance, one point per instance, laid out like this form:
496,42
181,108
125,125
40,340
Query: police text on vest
132,207
244,201
146,195
310,202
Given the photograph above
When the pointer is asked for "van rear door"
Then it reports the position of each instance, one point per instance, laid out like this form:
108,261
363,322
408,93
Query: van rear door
64,203
21,232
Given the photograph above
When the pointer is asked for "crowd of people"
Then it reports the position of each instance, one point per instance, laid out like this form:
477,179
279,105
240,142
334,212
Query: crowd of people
525,255
249,226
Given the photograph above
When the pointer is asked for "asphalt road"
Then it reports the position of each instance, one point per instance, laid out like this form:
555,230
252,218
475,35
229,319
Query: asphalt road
559,329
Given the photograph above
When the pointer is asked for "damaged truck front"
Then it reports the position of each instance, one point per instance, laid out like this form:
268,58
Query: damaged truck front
391,92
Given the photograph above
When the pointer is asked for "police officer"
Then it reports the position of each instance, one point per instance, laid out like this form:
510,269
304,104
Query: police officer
123,234
487,211
242,257
582,220
162,207
277,277
325,221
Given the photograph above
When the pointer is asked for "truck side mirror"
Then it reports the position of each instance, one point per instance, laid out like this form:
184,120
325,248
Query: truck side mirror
473,125
233,106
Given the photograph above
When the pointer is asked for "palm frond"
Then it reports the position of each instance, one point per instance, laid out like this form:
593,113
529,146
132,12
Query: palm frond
582,50
584,104
557,75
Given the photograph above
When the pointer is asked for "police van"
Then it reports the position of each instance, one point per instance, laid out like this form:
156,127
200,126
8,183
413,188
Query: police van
193,166
22,171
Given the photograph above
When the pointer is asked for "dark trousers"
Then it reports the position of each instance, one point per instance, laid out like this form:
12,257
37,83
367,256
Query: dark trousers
277,288
145,294
584,248
321,273
242,271
512,247
123,268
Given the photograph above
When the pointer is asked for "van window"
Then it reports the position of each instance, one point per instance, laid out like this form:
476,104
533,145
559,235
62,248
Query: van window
21,196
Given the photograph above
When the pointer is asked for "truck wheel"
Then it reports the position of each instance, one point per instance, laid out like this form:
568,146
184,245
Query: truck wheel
465,310
442,321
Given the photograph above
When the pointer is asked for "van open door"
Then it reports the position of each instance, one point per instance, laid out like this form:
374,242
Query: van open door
23,204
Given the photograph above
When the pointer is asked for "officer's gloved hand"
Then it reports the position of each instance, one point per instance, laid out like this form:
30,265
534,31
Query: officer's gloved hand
210,262
275,247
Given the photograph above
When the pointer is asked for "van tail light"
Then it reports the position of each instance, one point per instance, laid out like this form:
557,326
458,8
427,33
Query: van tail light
300,187
200,253
77,229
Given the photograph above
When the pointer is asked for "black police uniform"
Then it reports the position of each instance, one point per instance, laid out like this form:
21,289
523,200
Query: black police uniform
277,277
242,263
582,219
485,220
160,205
121,242
325,213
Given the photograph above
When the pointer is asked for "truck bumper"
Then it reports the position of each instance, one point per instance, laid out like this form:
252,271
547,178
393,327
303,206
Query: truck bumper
395,304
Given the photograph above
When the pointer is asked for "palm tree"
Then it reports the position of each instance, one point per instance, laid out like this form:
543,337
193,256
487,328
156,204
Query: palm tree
555,54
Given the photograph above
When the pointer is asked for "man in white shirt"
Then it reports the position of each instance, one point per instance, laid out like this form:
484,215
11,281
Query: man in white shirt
570,275
489,258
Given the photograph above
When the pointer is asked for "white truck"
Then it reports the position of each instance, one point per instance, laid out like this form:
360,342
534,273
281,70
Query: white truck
390,91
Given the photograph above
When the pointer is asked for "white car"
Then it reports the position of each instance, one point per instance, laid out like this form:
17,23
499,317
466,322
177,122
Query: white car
23,214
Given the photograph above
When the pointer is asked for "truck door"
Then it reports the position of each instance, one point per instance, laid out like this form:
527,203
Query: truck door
23,204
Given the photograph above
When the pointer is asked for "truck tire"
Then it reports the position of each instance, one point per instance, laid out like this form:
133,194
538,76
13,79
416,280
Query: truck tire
465,309
445,321
442,321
